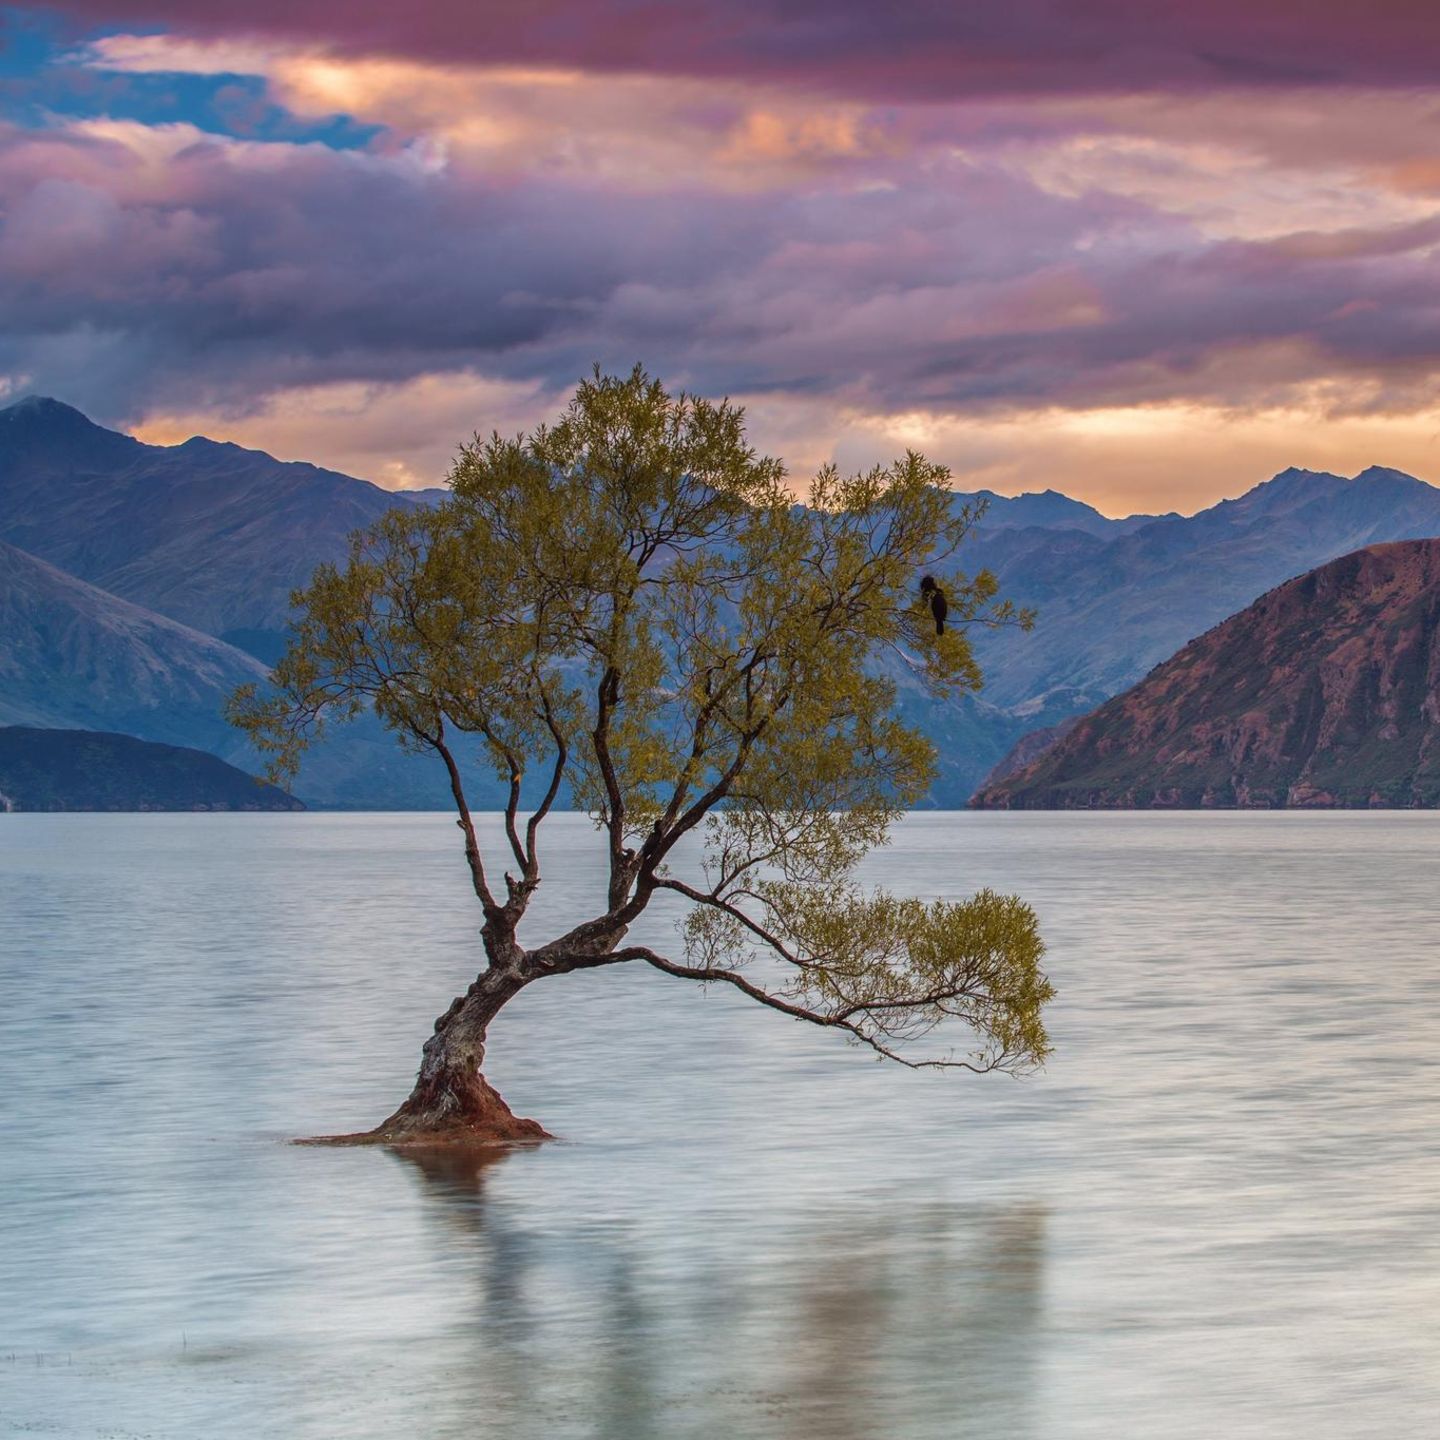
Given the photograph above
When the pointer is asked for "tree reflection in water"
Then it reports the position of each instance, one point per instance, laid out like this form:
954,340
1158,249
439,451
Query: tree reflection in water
918,1318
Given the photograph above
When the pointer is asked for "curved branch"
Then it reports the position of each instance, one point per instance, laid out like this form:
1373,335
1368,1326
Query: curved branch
707,973
607,696
701,897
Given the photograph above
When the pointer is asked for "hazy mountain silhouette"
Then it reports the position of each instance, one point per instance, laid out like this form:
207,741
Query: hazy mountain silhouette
72,655
206,533
1110,609
42,769
1050,510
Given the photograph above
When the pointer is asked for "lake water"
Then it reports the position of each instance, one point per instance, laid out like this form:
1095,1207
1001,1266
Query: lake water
1216,1213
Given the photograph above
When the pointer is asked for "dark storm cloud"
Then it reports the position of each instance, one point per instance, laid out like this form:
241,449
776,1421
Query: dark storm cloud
924,49
250,267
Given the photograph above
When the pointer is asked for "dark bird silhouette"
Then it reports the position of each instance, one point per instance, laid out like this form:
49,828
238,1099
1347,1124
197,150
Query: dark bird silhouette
939,606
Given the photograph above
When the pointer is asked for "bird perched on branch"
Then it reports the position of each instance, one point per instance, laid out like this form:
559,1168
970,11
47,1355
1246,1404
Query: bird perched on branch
939,606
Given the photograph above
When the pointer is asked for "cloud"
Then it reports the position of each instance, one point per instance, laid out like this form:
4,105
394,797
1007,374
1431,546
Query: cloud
928,51
627,131
861,253
299,261
227,270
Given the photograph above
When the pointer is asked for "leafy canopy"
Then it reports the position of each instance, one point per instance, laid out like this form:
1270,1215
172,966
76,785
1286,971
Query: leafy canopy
631,605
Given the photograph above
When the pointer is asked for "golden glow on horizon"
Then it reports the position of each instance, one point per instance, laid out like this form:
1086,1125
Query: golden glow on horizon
1121,459
402,436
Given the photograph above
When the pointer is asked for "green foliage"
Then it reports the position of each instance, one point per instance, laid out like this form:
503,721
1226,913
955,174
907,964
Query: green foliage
631,603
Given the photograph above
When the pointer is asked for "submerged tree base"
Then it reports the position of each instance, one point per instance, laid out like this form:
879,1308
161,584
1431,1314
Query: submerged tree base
456,1137
478,1118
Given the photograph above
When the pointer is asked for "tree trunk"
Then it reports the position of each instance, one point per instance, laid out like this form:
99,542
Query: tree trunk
452,1102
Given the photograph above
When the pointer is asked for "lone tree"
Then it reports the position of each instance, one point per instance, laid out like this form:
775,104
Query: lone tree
629,607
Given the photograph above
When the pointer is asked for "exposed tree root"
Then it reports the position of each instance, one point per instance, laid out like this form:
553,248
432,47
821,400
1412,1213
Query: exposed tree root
458,1110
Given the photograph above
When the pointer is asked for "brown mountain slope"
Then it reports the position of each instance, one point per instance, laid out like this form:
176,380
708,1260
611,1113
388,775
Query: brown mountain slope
1324,692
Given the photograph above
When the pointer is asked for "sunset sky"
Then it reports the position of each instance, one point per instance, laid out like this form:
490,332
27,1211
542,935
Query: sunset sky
1144,253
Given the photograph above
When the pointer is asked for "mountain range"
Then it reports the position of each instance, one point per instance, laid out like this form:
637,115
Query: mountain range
1324,692
140,583
204,533
1114,604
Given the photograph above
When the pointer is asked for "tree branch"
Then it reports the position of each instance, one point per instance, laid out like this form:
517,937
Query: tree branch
562,755
701,897
706,974
472,844
606,697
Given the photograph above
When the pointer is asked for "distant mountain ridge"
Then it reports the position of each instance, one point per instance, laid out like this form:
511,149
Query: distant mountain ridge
1323,693
74,656
205,533
50,770
1050,510
1111,609
214,537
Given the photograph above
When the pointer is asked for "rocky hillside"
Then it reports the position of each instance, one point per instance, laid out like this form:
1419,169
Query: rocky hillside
1114,605
1323,693
90,770
1028,749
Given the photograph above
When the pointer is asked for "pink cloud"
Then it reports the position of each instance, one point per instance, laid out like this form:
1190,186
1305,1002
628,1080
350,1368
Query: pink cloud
932,50
818,231
233,267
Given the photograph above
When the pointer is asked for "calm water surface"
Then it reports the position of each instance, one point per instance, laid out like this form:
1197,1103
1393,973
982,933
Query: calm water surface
1217,1213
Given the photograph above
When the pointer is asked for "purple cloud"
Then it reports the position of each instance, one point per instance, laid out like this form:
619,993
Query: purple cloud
925,50
1148,225
222,269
